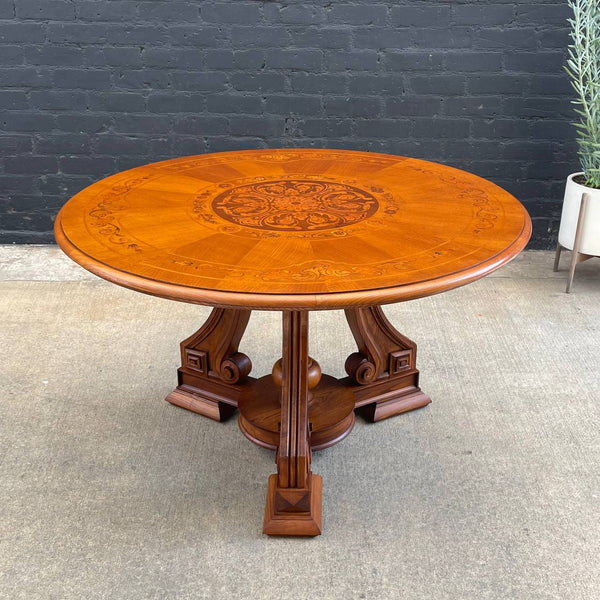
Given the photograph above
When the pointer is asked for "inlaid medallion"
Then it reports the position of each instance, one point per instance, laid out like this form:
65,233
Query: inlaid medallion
295,205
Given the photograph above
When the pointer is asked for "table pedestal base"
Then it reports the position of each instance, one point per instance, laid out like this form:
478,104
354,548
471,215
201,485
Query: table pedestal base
330,413
297,410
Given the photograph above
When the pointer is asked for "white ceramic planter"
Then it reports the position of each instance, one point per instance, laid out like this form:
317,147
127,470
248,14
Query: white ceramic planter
590,235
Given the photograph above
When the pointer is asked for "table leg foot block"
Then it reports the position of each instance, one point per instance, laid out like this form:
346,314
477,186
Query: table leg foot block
213,409
294,511
386,408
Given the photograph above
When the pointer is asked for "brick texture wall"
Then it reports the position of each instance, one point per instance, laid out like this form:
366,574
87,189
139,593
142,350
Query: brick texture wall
91,87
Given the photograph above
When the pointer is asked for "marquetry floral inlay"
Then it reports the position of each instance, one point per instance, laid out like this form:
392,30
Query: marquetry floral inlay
103,216
295,205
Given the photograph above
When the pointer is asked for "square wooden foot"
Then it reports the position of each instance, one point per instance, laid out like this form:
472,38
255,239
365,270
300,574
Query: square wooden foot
293,511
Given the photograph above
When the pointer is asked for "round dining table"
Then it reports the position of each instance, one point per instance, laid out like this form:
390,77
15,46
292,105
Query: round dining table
294,230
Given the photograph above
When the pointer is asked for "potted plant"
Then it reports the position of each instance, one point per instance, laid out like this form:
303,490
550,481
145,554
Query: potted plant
580,220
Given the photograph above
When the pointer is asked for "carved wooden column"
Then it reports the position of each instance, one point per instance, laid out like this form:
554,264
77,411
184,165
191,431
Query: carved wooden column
212,369
294,494
384,366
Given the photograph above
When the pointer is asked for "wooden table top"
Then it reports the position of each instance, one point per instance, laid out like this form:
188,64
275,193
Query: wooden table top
293,228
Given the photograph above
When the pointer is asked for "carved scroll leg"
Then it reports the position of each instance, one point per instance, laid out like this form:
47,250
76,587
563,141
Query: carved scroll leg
212,369
294,494
383,370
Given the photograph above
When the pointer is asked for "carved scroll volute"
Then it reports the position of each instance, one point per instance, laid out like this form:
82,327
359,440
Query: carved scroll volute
213,349
382,351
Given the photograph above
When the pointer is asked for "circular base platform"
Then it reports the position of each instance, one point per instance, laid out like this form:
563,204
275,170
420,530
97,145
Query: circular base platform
330,412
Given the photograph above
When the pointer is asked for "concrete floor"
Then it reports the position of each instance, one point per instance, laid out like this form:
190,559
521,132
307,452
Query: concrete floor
491,492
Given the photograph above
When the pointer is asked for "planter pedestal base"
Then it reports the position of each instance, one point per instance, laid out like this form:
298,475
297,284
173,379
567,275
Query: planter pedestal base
577,256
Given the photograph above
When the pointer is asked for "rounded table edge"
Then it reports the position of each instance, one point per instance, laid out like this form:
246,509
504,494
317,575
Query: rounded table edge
324,301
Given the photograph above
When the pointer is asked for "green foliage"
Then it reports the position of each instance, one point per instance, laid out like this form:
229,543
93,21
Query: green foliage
583,66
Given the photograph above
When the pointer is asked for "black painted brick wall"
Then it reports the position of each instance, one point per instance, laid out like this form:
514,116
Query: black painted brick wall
91,87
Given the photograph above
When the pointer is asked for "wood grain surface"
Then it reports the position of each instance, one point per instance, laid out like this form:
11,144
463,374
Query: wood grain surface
292,228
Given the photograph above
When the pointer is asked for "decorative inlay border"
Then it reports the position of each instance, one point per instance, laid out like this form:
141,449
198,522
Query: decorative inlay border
102,216
210,269
283,156
314,271
487,210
